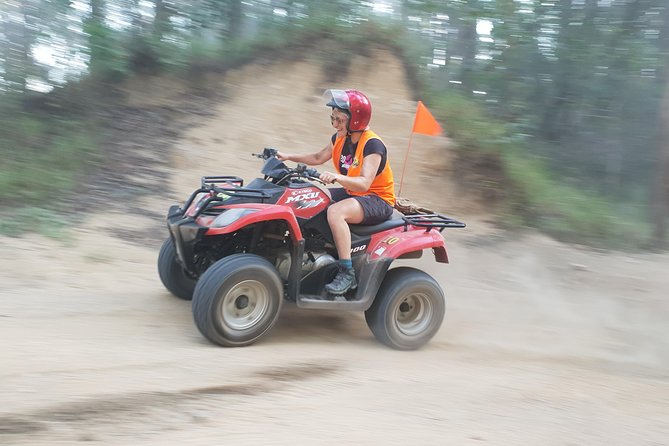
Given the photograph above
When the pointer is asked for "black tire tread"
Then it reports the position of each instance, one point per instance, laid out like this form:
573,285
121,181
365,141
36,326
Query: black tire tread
376,316
206,292
171,273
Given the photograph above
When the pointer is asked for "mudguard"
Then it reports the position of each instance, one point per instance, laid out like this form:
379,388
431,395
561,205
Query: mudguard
264,212
396,242
186,231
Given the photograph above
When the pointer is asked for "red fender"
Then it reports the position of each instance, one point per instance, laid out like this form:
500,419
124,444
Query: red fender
395,242
265,212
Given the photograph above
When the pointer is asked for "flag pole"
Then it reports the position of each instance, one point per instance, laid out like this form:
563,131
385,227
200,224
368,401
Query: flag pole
406,159
423,122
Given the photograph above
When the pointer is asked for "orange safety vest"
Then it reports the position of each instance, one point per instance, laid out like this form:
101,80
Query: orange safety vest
383,184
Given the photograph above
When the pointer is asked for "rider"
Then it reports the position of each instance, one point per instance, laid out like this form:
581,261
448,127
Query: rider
361,166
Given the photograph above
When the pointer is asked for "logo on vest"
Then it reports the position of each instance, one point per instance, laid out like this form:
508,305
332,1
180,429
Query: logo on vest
346,161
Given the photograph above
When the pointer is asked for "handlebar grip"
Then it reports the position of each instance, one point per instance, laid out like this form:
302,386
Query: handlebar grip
313,173
269,152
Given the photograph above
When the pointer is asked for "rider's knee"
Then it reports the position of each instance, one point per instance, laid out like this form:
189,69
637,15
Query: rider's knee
334,213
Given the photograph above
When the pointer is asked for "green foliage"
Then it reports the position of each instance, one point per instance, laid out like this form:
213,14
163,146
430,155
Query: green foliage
42,156
562,210
468,124
108,57
533,194
200,54
33,219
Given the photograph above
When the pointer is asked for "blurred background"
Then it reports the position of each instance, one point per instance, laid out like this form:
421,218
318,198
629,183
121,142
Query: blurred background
554,107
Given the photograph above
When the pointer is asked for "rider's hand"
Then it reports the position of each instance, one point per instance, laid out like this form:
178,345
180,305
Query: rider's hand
282,156
328,178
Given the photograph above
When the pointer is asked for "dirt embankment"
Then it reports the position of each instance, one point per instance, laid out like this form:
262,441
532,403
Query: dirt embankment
543,343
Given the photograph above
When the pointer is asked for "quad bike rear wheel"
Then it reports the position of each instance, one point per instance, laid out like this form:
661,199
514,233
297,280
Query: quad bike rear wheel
408,310
237,300
174,277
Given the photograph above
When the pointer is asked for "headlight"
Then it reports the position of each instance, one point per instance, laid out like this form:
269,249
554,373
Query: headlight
230,216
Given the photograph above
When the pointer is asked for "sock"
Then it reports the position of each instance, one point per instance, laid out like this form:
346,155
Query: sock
346,263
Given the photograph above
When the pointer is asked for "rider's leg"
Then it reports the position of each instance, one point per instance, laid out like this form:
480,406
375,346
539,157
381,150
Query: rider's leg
340,215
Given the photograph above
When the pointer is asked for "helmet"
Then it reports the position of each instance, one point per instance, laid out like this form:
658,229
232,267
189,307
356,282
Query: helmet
355,104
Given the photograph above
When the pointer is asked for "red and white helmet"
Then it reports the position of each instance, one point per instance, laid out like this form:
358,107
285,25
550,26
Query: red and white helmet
355,104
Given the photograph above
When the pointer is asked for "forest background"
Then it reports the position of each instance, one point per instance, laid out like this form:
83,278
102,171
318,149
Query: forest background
558,109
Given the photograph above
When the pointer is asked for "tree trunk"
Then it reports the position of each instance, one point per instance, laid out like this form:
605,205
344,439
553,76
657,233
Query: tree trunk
464,44
235,19
161,20
18,61
97,38
660,195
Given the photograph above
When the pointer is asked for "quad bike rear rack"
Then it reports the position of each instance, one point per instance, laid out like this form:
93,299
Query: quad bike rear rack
430,221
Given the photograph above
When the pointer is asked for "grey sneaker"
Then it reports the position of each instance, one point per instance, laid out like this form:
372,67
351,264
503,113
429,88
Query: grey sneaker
344,281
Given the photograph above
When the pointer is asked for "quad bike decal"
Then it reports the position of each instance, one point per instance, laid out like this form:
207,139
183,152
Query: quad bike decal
307,202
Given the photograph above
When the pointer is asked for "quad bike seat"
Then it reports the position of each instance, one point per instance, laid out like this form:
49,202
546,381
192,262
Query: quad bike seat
395,221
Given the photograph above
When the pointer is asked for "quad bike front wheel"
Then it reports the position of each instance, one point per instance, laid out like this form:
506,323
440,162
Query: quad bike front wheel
408,310
174,276
237,300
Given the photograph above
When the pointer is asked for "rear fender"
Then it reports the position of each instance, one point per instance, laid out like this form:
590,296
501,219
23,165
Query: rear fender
398,242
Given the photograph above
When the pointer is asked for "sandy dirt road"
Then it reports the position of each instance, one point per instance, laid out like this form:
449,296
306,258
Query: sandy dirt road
543,343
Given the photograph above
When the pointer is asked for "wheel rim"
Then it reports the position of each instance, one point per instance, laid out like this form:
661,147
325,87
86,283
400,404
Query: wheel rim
414,314
245,305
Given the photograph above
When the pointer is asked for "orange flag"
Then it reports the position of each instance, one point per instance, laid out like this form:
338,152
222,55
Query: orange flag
425,123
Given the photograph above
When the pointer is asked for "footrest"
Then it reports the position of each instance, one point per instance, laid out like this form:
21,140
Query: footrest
319,302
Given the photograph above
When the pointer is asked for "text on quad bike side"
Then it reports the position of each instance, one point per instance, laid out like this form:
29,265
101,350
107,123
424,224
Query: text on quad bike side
360,248
303,196
302,191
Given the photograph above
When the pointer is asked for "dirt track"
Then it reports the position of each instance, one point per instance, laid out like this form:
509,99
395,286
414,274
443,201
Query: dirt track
543,343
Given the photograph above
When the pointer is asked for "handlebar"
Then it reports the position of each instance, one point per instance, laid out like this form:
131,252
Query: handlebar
267,153
300,171
307,171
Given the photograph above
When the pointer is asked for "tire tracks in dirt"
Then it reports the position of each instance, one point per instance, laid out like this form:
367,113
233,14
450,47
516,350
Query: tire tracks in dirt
134,407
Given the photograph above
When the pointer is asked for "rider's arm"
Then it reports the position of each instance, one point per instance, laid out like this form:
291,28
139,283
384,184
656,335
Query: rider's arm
370,166
312,159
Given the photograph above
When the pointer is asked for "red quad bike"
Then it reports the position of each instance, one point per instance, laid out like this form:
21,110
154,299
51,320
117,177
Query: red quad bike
239,251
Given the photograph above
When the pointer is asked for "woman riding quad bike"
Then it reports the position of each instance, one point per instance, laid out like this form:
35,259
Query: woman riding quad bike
239,251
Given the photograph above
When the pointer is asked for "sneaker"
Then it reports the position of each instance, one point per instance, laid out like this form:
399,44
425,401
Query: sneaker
344,281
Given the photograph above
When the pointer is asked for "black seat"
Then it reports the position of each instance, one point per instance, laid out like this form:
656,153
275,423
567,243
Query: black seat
395,221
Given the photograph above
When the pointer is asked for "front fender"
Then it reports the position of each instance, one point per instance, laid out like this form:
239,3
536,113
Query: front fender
395,243
265,212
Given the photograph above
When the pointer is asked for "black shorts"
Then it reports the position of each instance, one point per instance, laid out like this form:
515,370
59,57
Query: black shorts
375,209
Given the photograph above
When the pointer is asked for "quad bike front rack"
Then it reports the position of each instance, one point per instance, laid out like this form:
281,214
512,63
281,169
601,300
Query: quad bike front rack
233,187
230,180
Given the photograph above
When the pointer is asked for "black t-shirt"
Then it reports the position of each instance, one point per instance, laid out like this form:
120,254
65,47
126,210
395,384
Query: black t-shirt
373,145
